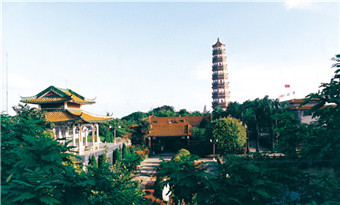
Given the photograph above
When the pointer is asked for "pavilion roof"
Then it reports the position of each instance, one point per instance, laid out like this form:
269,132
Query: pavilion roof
73,115
53,94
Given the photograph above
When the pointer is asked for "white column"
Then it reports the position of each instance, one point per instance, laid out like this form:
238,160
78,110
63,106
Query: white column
97,135
93,136
55,133
86,134
60,135
67,130
73,135
81,147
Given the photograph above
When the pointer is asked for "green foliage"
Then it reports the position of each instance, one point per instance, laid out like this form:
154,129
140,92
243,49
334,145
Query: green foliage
140,131
102,159
129,159
244,180
217,113
291,134
117,156
125,151
229,132
257,180
189,182
180,155
93,161
163,111
113,185
107,129
324,143
197,133
36,169
135,118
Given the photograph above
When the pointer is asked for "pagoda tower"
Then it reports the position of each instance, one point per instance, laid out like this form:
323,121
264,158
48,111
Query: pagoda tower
220,84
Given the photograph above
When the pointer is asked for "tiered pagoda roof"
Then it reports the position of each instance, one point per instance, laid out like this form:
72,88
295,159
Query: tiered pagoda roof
54,95
71,115
63,105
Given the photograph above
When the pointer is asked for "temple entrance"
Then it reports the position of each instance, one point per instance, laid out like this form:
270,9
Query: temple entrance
168,144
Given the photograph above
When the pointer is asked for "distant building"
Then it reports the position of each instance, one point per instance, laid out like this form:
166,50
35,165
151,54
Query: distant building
172,133
220,84
302,112
63,108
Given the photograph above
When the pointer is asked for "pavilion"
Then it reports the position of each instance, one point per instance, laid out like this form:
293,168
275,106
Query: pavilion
63,108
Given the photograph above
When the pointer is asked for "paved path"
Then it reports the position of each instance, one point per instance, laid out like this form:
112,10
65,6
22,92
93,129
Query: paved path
147,169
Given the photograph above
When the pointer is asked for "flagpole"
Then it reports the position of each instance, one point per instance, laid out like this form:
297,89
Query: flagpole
6,83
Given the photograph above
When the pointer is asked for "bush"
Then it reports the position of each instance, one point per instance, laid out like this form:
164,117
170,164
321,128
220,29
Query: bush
181,154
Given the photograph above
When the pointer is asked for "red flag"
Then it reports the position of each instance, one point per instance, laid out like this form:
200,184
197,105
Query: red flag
287,86
293,92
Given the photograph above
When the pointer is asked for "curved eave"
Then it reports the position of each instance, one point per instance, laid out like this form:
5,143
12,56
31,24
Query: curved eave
42,101
82,102
60,116
88,117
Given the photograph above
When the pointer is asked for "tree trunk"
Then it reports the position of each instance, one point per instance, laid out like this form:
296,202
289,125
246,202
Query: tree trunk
272,136
257,138
247,148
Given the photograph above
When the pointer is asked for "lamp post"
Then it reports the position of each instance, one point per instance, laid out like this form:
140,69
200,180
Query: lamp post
214,141
115,131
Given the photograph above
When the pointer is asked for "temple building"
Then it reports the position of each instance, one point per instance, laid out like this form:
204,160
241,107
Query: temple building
63,108
168,134
220,84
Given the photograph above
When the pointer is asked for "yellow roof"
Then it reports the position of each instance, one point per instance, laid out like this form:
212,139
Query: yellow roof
56,95
169,130
174,126
88,117
73,115
59,116
44,100
192,120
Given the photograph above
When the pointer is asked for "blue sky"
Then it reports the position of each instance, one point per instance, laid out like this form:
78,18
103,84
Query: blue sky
139,56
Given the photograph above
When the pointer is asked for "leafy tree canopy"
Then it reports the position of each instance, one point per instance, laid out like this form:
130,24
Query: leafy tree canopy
229,133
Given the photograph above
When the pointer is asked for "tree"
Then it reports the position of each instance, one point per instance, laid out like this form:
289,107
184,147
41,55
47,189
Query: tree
140,131
229,132
102,159
189,182
183,112
218,113
93,161
324,143
125,151
292,135
163,111
116,156
259,180
37,169
135,117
